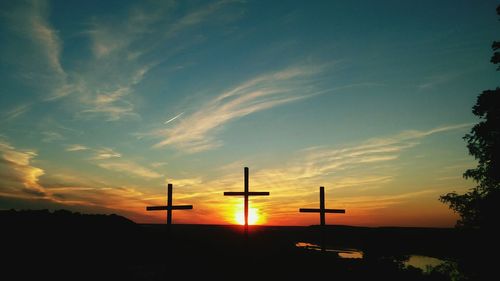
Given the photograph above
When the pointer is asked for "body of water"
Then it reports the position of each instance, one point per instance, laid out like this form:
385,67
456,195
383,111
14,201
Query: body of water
423,262
418,261
342,253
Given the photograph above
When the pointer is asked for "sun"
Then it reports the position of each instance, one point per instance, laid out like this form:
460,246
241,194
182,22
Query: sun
253,216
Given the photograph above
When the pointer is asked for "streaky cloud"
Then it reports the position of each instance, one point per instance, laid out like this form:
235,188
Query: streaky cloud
130,168
16,111
173,118
105,153
43,33
196,132
323,160
76,147
51,136
198,16
39,54
17,168
158,164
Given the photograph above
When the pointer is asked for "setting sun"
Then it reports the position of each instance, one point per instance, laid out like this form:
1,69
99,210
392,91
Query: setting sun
253,217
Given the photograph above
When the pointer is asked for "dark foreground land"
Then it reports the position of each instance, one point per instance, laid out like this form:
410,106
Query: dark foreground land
64,245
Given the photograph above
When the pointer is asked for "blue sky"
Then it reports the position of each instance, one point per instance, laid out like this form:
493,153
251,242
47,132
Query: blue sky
103,103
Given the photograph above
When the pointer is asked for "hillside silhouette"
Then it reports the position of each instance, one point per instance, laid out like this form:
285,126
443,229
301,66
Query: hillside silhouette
63,244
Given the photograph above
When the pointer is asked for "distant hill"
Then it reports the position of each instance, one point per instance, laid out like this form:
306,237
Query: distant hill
59,219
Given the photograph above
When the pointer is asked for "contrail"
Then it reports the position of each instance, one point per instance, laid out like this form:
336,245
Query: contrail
172,119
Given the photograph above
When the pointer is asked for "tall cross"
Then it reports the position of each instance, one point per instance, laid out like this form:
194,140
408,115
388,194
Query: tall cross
322,211
246,193
169,206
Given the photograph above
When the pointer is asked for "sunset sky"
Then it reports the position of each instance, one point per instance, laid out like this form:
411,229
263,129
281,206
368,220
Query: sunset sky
104,102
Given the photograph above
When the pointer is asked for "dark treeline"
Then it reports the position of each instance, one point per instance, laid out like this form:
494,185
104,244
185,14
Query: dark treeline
62,244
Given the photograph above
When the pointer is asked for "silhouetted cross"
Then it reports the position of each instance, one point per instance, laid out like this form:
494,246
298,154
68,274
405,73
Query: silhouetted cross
169,206
246,193
322,209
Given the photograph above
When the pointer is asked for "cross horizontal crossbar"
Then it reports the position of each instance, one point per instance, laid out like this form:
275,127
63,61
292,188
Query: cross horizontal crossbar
251,193
161,208
307,210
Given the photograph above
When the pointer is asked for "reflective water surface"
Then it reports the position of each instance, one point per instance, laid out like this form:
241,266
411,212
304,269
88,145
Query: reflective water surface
342,253
423,262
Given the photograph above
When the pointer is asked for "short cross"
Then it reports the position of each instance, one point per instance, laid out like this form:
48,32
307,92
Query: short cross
169,206
322,209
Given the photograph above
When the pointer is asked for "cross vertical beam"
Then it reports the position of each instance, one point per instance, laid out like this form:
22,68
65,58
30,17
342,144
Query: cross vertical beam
246,200
169,207
322,210
246,193
322,205
169,204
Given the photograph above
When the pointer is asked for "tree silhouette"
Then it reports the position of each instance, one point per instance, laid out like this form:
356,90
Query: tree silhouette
478,207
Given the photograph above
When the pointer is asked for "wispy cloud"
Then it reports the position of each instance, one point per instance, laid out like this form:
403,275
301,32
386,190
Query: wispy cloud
16,111
65,89
158,164
363,183
76,147
374,202
102,153
130,168
105,153
16,168
198,16
44,33
105,40
182,182
20,181
79,192
321,161
109,159
196,132
437,80
173,118
112,105
110,36
103,86
30,20
113,40
51,136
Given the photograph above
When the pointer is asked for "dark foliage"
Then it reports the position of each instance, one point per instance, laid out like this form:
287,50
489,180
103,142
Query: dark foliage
47,245
478,207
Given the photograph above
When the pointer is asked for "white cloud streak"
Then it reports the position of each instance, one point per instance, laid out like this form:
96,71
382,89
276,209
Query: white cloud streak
195,132
158,164
16,111
112,105
197,16
104,86
321,161
46,36
76,147
114,40
130,168
16,168
39,48
109,159
51,136
173,118
105,153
